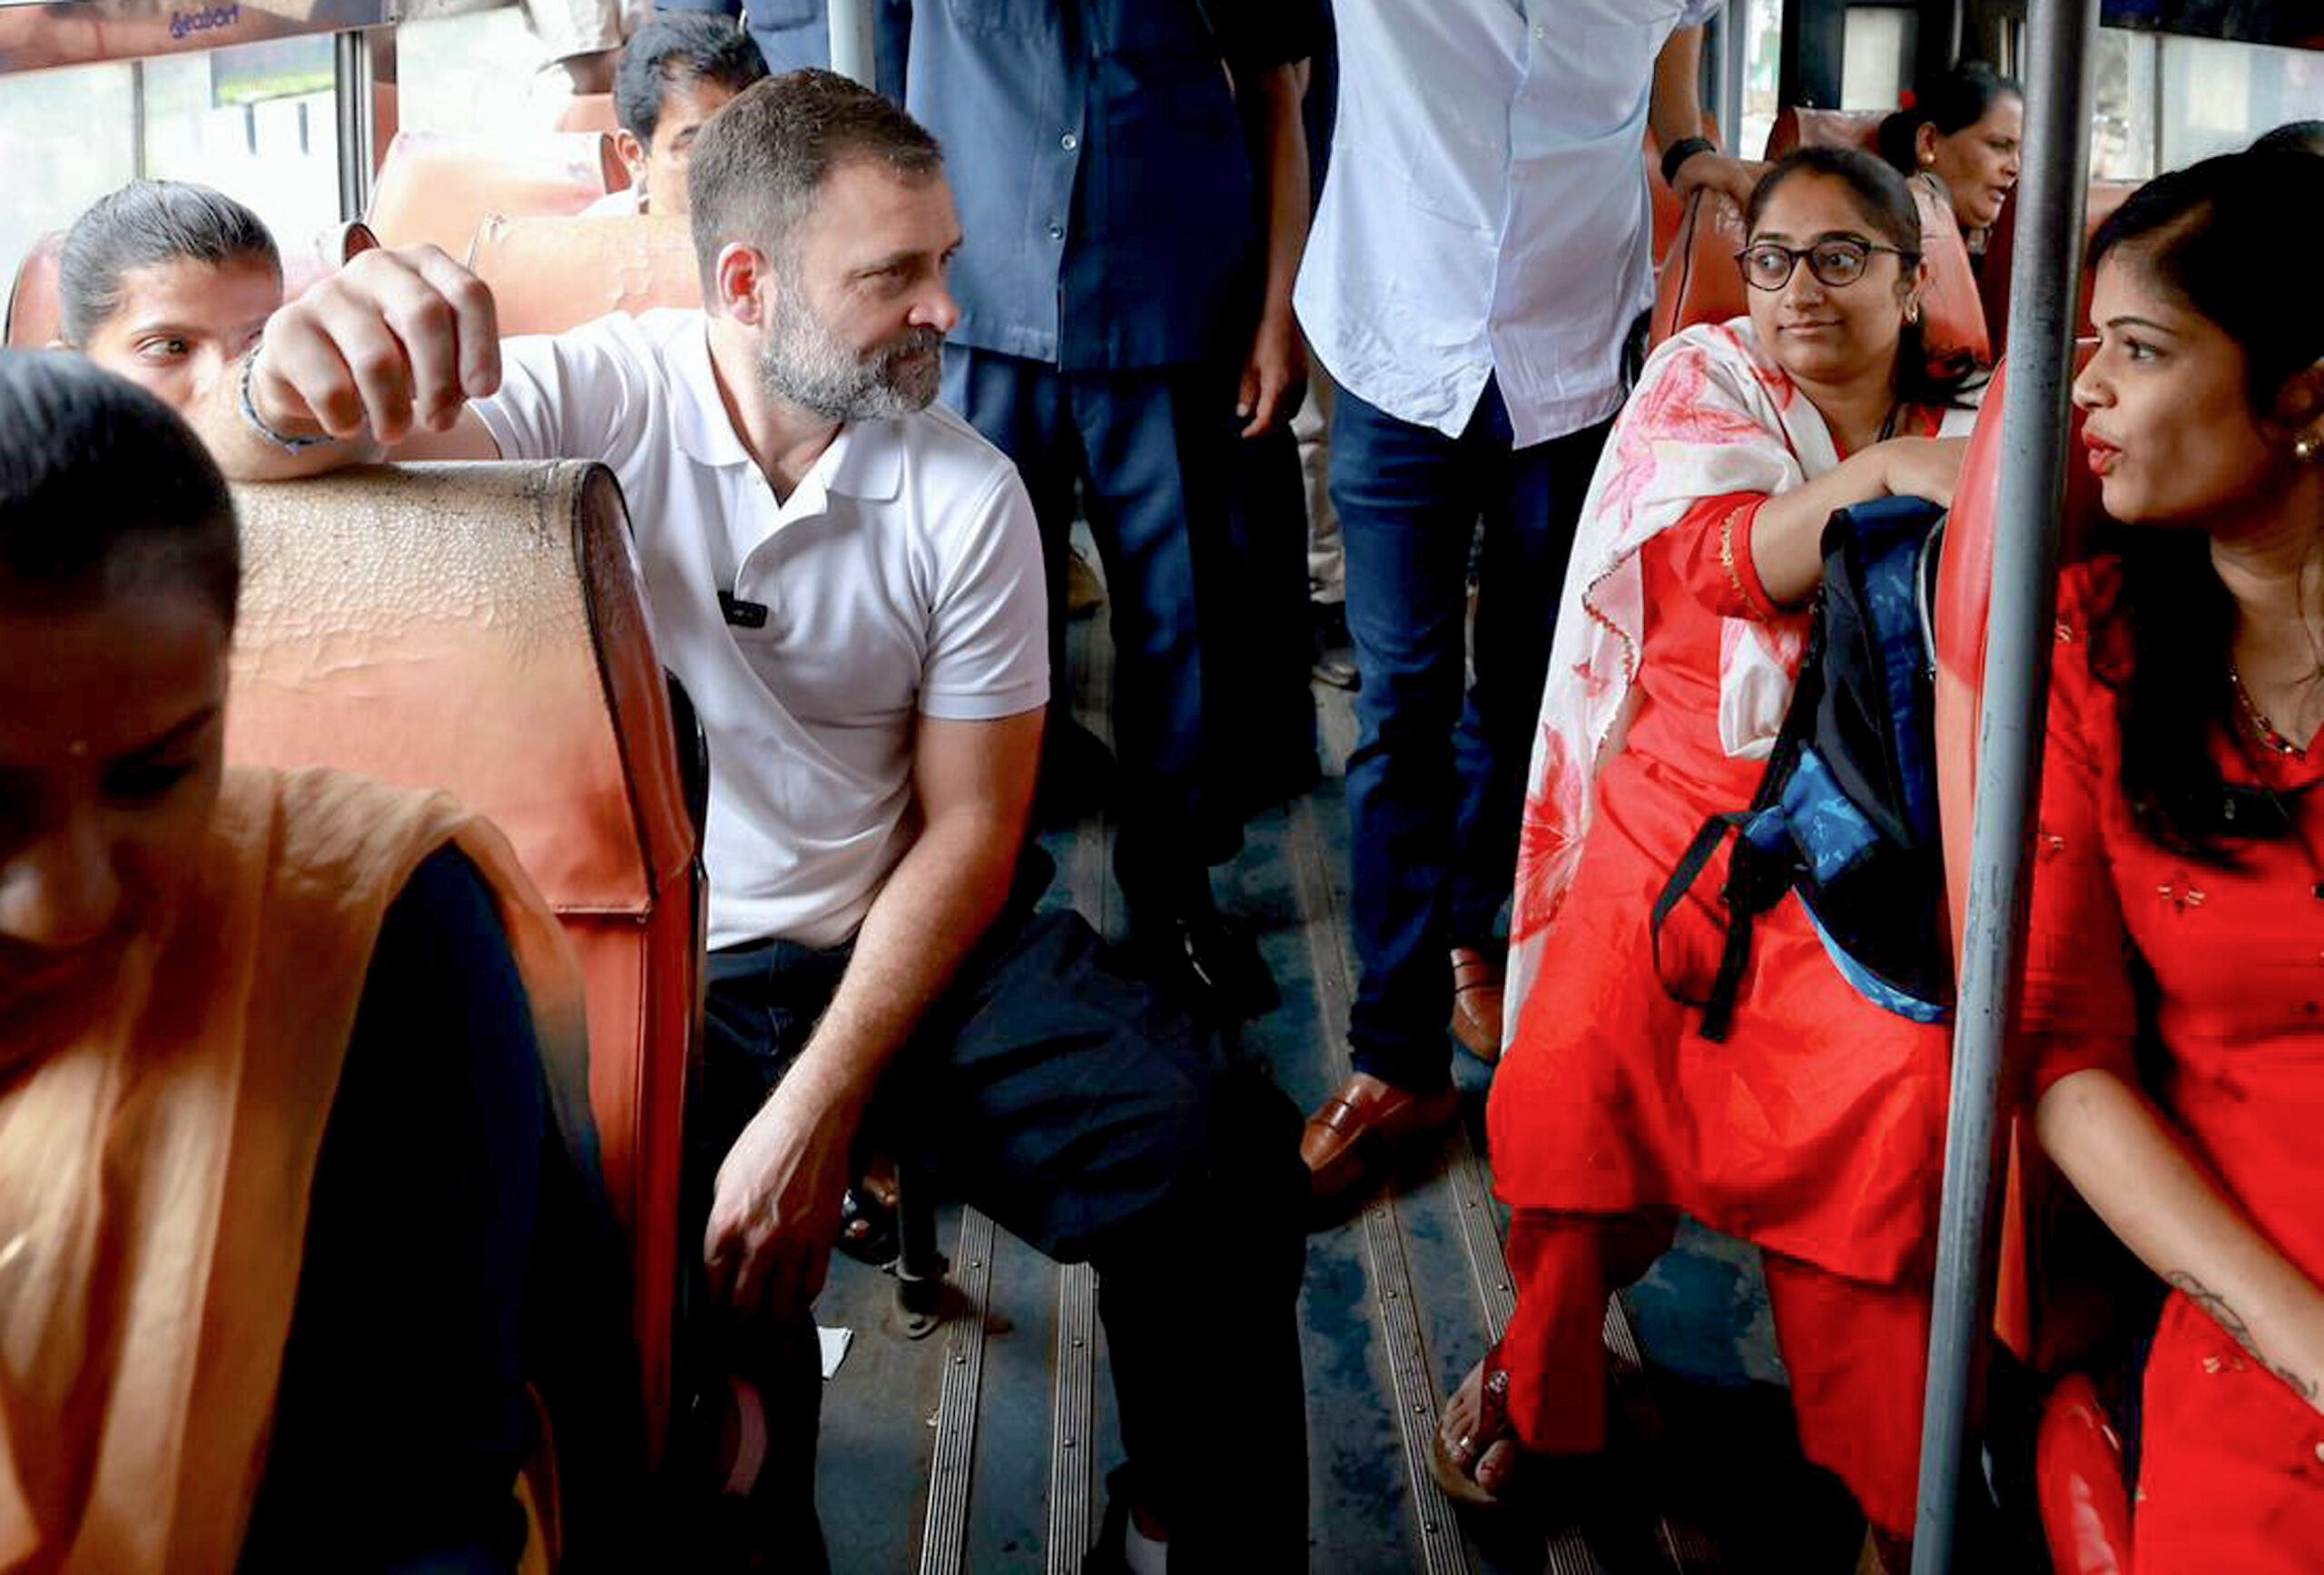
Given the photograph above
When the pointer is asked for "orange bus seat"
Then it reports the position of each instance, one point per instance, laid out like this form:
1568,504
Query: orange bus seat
1993,282
2078,1479
548,275
35,311
482,629
588,112
1668,208
435,190
1953,315
1797,128
1699,280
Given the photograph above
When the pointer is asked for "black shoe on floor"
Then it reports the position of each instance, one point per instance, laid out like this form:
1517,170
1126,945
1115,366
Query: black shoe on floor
1211,965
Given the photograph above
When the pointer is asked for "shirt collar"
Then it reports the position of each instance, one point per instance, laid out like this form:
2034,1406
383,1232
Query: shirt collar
865,459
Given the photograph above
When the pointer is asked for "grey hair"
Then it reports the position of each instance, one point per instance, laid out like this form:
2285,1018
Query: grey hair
759,161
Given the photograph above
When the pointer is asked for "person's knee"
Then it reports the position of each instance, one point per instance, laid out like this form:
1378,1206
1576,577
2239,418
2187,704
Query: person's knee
1240,1196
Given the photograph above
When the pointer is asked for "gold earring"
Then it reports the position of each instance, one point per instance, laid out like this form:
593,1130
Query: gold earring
1912,312
2307,448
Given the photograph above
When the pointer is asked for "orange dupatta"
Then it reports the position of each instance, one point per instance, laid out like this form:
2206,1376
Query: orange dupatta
155,1174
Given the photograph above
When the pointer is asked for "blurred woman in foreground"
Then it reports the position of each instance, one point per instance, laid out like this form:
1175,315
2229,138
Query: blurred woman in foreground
272,1100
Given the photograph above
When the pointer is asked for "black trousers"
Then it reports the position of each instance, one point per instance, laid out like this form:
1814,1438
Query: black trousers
1149,454
1097,1122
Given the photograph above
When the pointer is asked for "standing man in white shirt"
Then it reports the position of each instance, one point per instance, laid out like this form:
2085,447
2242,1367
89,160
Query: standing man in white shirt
849,583
1483,245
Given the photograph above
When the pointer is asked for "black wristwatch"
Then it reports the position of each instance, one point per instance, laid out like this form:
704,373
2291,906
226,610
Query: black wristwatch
1679,152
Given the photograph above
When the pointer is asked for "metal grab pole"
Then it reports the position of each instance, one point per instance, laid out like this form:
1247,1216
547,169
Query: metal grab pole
2043,312
1734,46
851,47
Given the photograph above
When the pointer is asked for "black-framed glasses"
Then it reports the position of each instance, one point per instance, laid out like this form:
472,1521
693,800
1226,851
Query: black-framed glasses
1767,264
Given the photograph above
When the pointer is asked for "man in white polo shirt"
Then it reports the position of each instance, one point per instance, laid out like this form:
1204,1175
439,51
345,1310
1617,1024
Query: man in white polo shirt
849,583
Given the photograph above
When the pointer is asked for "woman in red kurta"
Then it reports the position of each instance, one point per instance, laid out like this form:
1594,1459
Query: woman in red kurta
2180,821
1814,1129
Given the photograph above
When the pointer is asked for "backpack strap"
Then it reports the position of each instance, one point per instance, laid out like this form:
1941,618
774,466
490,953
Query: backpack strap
1759,873
1718,1006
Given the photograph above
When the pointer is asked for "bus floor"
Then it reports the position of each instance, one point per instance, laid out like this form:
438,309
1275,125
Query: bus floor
983,1447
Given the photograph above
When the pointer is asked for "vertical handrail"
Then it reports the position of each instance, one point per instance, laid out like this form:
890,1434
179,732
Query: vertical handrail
351,96
1733,55
2042,313
852,52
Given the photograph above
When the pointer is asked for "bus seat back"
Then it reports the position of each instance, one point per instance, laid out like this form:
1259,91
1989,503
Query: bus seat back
2105,196
548,275
2078,1471
1669,209
34,309
435,190
1963,603
1953,315
481,629
1797,128
1701,282
588,112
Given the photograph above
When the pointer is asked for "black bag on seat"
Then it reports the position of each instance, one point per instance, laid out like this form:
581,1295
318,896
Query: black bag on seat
1847,814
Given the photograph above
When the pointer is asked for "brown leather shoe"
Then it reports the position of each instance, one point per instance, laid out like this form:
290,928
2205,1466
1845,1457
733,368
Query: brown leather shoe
1476,1003
1358,1129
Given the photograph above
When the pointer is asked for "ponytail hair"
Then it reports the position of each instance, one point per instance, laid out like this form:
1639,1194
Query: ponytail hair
1951,101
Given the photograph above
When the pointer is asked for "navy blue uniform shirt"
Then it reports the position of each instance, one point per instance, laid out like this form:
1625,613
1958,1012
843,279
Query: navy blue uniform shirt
1105,186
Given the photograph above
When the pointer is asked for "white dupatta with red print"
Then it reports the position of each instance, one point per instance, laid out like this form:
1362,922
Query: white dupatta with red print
1712,415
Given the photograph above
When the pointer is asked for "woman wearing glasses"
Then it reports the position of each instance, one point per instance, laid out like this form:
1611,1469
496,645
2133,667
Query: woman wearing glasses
1812,1129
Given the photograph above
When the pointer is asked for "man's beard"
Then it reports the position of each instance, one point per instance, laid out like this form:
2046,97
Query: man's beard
801,361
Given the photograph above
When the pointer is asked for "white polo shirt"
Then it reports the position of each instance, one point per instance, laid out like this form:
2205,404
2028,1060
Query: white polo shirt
626,203
902,578
1485,211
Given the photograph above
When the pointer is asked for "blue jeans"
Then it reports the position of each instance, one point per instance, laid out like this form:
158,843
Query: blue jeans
1437,784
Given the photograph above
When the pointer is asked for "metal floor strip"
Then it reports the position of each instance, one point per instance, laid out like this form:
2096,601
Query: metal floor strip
943,1538
1074,1421
1442,1548
1073,1397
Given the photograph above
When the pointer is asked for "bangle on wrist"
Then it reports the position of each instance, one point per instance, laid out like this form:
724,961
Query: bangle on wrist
258,424
1679,152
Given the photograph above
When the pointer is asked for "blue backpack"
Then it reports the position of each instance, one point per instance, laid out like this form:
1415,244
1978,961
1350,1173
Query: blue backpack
1847,814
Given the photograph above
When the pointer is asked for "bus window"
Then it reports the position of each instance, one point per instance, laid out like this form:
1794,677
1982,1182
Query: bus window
258,123
1877,51
453,74
1762,71
70,137
2121,141
255,121
2165,100
2217,96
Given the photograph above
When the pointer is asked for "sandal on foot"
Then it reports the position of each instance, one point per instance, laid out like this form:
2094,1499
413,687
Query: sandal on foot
867,1229
1492,1427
